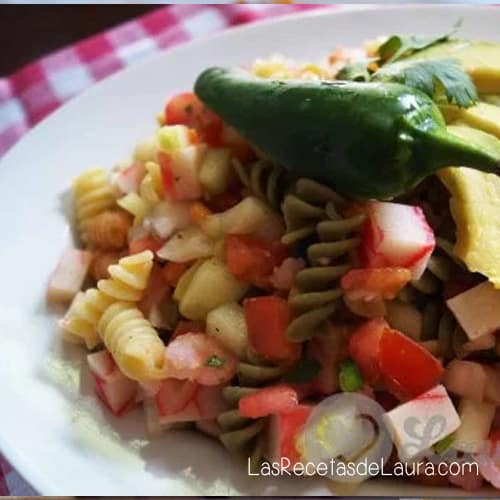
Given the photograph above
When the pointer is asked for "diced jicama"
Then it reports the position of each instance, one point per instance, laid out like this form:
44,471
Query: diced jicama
169,216
117,392
186,245
476,419
397,235
466,379
173,137
477,310
283,434
244,218
215,172
184,166
430,405
210,286
128,179
226,323
67,278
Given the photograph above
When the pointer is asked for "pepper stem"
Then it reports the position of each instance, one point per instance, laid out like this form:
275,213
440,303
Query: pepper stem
443,149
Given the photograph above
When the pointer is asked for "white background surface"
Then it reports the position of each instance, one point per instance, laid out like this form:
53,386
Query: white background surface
51,428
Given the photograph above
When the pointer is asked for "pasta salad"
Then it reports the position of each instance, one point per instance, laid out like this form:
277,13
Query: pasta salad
218,287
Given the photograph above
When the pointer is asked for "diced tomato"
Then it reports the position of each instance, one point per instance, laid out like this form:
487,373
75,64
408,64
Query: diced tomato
407,368
284,430
385,282
156,290
277,399
224,201
174,395
187,327
267,320
239,147
187,109
253,260
167,175
147,243
404,367
364,348
173,271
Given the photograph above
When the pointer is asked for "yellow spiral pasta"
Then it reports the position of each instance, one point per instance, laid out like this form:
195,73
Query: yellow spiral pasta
132,341
150,193
129,277
92,195
80,322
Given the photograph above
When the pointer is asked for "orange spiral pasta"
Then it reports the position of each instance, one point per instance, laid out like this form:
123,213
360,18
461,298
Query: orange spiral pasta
109,230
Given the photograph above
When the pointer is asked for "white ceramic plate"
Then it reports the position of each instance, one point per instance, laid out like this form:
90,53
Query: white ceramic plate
51,427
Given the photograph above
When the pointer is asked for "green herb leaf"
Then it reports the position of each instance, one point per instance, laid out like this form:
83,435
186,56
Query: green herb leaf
443,445
399,46
303,371
350,378
215,361
356,71
443,80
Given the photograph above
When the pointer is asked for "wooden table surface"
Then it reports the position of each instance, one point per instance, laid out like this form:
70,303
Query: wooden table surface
30,31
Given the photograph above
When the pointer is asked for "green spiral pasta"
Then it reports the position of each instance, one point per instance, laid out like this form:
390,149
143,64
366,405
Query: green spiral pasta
265,181
240,435
318,290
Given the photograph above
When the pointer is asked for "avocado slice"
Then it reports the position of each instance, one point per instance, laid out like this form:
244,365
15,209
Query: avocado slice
480,59
491,99
475,205
482,116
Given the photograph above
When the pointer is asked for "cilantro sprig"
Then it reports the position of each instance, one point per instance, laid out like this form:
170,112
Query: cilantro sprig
443,80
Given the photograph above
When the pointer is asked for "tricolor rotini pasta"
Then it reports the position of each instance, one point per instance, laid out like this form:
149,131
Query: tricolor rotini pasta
133,342
128,278
92,196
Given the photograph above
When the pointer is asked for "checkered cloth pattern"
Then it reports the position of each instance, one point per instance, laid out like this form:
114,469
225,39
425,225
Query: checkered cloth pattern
34,91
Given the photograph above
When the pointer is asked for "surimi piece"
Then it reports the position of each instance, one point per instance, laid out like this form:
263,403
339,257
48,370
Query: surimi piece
67,278
477,310
397,235
423,410
117,392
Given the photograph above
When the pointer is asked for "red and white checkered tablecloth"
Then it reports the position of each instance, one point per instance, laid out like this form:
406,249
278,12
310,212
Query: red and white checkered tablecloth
34,91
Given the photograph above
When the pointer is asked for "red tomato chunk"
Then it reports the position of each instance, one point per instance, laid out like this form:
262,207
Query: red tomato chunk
267,320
